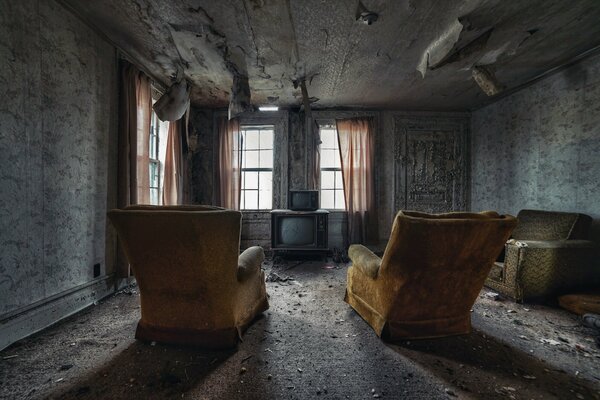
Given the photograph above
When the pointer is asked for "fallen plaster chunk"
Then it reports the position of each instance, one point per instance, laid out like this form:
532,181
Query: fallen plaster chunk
440,47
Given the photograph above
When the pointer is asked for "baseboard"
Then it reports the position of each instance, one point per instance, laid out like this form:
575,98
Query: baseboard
28,320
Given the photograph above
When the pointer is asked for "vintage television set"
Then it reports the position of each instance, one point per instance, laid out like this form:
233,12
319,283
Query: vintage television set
299,232
303,200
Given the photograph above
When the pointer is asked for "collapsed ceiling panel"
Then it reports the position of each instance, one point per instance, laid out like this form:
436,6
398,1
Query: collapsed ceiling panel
415,55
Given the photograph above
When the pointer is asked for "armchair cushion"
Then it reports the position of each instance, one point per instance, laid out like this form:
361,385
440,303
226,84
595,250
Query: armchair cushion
364,260
249,262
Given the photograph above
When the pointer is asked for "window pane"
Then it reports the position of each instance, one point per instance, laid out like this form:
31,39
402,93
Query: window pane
336,159
266,158
327,180
249,180
265,199
328,158
339,181
154,196
327,199
266,139
251,202
242,200
251,140
328,138
339,200
250,159
154,170
266,180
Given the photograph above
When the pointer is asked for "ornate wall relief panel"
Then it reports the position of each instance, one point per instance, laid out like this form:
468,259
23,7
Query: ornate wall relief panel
431,164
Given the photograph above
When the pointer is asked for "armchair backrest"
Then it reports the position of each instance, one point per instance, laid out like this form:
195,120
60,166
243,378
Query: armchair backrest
442,260
186,252
551,225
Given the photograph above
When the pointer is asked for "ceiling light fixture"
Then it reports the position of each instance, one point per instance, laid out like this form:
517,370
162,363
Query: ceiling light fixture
268,108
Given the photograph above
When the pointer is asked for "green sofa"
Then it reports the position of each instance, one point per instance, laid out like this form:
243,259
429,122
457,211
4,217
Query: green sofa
548,254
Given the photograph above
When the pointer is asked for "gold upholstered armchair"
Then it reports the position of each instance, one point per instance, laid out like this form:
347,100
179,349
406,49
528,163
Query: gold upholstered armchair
548,255
194,289
431,273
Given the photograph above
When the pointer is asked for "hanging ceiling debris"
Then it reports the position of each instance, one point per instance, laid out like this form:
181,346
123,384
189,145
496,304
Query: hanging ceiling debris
351,64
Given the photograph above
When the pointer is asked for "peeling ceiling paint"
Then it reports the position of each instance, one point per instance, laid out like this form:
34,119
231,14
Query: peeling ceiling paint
347,63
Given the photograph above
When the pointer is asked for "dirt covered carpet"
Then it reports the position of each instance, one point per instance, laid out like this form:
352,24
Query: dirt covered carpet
310,344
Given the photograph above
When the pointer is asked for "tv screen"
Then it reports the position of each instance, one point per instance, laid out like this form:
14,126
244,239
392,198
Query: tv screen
297,231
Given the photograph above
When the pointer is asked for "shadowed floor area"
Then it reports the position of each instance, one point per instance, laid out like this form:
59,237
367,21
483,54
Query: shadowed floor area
310,344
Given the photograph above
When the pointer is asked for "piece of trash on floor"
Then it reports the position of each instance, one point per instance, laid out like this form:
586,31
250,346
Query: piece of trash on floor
329,266
550,342
494,296
450,392
9,357
530,377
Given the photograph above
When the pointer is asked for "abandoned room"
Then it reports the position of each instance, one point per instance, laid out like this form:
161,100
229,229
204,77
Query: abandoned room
300,199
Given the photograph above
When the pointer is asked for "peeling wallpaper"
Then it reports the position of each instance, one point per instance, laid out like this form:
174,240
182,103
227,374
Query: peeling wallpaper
56,118
540,147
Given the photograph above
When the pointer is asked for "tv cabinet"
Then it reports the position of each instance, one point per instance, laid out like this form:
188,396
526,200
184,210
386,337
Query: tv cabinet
300,233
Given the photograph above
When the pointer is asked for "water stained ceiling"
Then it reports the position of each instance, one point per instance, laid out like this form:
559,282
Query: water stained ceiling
419,54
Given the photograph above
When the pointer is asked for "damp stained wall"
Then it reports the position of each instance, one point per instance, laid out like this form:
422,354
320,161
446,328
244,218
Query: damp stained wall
57,116
540,147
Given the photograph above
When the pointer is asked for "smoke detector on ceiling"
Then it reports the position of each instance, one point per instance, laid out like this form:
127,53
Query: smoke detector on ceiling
365,16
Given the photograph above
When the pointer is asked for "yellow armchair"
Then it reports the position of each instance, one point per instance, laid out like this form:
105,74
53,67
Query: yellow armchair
195,288
432,270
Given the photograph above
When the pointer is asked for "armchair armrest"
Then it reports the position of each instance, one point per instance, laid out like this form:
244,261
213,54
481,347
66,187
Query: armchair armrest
364,260
249,262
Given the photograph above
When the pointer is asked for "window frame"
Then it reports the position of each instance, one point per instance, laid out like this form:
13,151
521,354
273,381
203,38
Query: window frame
259,128
331,169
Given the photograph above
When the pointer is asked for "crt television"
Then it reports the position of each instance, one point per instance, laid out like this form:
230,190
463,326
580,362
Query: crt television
303,200
299,230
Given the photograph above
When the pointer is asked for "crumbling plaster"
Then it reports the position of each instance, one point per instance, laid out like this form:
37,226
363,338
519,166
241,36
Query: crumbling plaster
540,147
346,63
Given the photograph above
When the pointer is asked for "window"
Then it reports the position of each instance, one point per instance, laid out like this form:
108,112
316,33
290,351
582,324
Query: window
157,152
154,161
257,168
332,184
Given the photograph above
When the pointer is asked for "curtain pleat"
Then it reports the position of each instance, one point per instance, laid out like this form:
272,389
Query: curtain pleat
229,164
173,178
133,180
356,142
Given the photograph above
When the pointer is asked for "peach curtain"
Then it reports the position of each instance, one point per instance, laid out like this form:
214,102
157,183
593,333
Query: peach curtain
229,160
356,140
133,176
173,178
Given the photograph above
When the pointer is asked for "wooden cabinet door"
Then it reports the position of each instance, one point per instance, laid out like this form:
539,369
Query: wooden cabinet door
431,164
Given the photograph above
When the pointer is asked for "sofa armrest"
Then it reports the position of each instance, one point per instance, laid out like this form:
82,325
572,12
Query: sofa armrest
364,260
541,269
554,244
249,262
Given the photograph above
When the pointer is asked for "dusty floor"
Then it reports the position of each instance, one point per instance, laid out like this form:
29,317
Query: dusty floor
310,344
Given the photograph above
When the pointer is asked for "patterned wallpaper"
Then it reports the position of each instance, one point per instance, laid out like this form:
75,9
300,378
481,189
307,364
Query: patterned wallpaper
540,147
56,121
